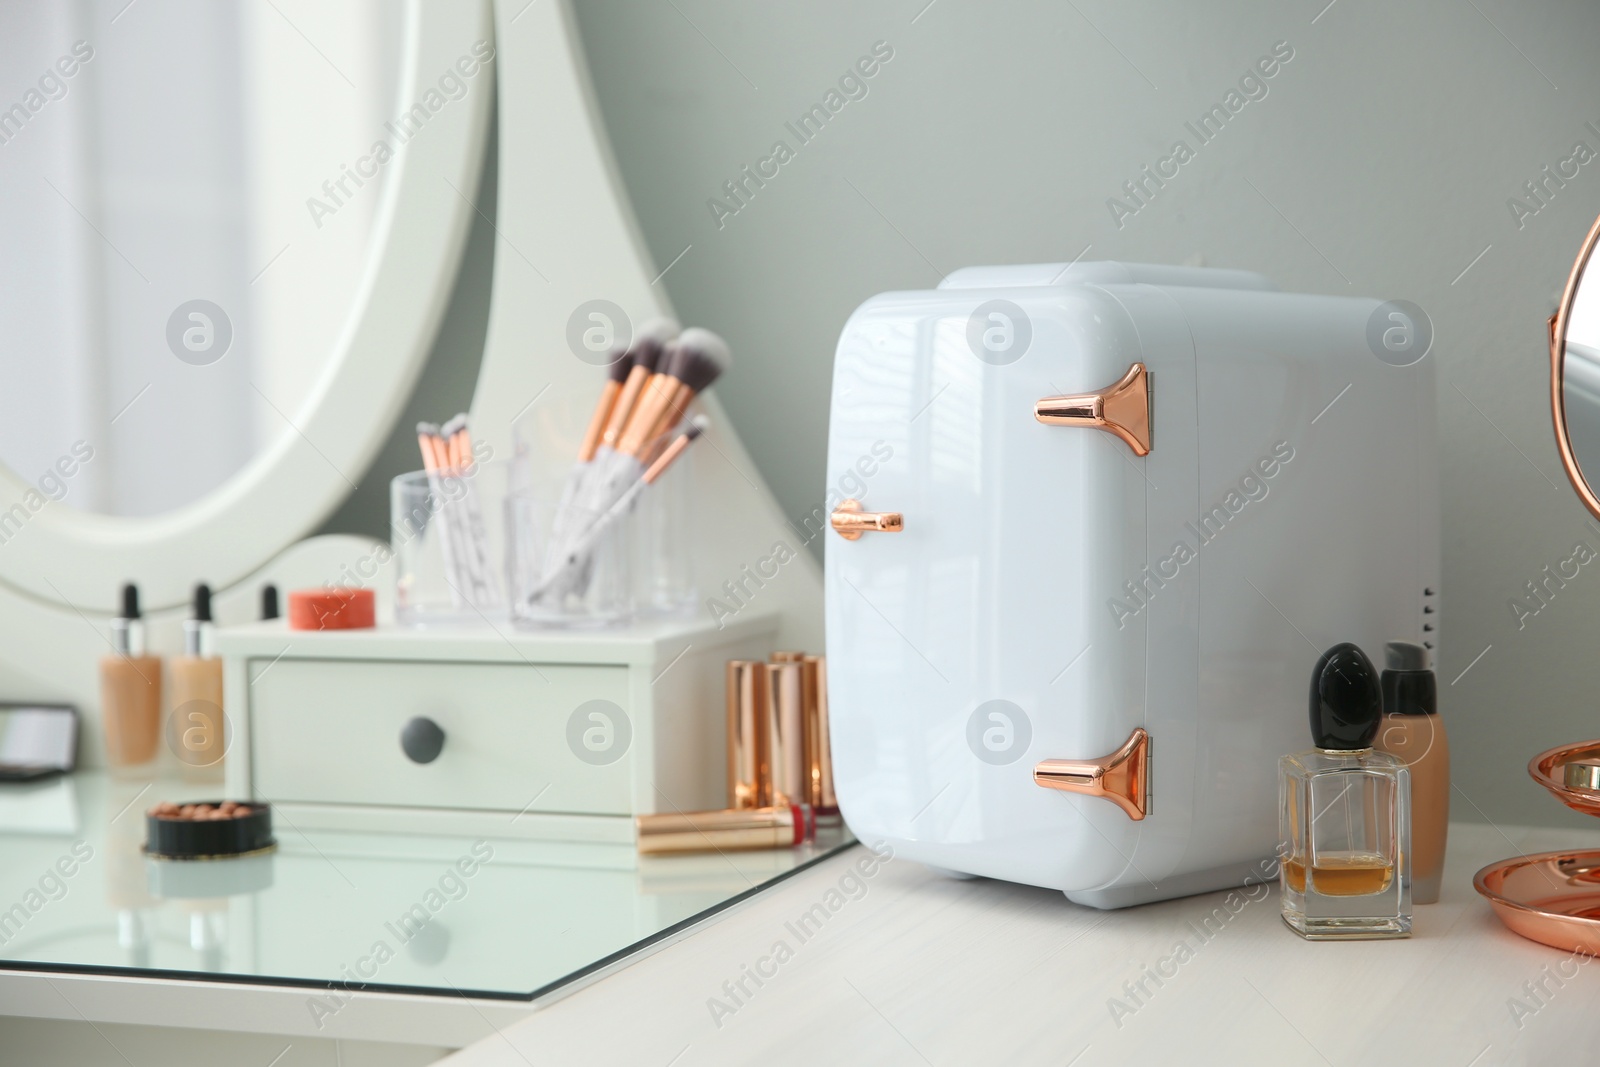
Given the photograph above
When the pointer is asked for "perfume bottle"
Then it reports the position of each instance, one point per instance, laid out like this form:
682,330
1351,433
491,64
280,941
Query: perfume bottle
1345,813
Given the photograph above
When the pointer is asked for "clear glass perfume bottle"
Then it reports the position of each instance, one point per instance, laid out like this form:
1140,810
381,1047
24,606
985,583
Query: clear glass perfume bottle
1345,813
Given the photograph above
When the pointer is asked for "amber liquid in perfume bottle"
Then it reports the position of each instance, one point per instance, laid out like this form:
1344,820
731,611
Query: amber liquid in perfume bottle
1349,874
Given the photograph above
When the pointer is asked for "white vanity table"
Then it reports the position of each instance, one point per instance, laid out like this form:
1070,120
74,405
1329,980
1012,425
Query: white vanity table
925,969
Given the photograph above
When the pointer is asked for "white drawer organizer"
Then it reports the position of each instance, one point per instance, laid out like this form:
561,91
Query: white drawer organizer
553,736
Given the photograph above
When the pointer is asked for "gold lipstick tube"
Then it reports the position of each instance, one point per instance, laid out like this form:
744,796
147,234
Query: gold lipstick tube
785,730
818,775
749,783
783,826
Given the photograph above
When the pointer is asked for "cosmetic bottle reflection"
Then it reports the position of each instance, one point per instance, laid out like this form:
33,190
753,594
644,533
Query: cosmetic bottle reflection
1345,813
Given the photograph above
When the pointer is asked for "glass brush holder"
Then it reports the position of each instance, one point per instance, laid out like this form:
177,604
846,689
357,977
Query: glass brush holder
663,550
560,573
449,542
504,539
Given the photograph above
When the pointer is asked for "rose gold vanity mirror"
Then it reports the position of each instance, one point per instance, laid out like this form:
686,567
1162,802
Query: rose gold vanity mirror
1554,897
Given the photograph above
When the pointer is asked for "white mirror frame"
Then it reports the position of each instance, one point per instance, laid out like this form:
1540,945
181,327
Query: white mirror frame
75,559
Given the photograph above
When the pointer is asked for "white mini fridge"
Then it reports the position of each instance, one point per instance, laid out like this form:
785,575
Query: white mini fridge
1092,526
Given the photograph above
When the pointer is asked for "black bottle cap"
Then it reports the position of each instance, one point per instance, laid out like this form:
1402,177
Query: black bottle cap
1409,687
1346,702
202,603
269,602
130,601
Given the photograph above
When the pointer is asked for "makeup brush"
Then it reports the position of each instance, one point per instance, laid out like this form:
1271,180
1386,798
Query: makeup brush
436,461
695,360
627,379
647,349
469,513
690,365
591,537
576,508
616,375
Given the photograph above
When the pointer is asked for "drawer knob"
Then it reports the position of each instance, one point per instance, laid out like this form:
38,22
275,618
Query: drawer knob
422,740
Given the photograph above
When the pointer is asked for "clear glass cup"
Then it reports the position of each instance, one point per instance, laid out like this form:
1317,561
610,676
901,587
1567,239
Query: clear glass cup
663,555
448,535
594,588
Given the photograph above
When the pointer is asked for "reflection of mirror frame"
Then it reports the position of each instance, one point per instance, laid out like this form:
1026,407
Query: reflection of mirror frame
61,554
1558,346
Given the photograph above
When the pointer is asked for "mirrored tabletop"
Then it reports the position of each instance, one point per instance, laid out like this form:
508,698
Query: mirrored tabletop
333,911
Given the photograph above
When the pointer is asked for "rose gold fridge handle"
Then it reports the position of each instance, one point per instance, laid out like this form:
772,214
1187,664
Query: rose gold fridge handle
850,522
1122,409
1123,777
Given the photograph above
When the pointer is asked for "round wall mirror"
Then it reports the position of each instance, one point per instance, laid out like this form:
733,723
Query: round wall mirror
185,183
247,218
1575,372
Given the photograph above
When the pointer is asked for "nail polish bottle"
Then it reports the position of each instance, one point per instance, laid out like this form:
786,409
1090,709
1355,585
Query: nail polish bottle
269,602
195,726
1413,733
130,693
1345,819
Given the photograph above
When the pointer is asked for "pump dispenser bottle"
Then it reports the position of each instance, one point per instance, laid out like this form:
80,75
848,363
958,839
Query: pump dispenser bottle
130,693
195,725
1413,733
1345,813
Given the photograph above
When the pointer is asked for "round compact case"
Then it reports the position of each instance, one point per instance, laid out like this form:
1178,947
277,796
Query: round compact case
194,831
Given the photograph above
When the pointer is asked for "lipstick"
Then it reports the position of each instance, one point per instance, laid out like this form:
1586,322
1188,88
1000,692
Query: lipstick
733,830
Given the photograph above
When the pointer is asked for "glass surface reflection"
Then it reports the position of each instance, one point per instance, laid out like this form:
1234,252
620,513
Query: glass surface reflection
335,910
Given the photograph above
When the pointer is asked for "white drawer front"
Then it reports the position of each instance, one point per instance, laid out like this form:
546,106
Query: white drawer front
328,731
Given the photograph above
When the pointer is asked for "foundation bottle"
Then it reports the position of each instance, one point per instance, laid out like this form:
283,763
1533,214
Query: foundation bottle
196,729
130,694
1345,820
1413,733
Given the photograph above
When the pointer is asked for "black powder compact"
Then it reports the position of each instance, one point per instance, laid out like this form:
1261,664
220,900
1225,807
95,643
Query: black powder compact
208,829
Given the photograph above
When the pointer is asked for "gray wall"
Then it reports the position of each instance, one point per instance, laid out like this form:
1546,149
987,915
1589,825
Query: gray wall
1379,164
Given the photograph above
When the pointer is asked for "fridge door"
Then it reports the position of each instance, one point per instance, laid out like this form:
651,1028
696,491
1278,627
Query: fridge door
982,637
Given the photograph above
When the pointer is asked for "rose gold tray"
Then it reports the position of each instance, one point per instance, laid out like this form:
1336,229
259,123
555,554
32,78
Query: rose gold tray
1552,898
1547,769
